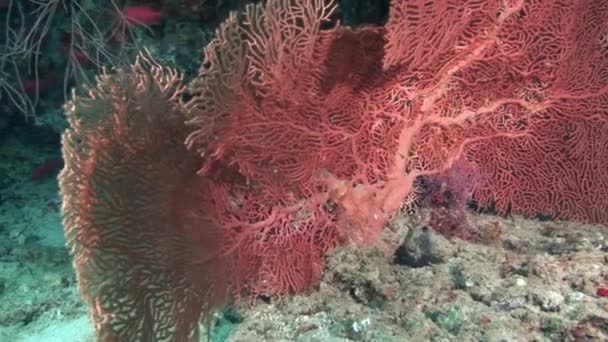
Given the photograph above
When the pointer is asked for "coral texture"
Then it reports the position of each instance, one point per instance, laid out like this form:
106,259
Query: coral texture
143,248
537,67
311,135
331,127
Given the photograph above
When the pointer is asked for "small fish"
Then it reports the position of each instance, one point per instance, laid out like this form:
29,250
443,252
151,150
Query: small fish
142,15
40,86
77,55
47,168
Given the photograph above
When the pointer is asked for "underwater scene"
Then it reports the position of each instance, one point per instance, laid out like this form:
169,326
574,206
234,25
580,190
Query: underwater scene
303,170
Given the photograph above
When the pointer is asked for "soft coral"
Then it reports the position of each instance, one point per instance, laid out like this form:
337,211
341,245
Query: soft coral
314,137
308,133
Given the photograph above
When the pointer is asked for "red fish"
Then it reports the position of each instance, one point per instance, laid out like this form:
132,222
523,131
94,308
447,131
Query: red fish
141,15
39,86
46,169
75,53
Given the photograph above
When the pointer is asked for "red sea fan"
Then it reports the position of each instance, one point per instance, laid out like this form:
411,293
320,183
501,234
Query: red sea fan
134,210
279,102
340,122
312,135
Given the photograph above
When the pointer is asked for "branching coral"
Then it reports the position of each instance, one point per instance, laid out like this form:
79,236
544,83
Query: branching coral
312,135
144,248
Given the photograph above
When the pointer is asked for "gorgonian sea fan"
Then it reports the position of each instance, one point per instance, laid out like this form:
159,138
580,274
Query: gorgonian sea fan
143,248
311,135
329,128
